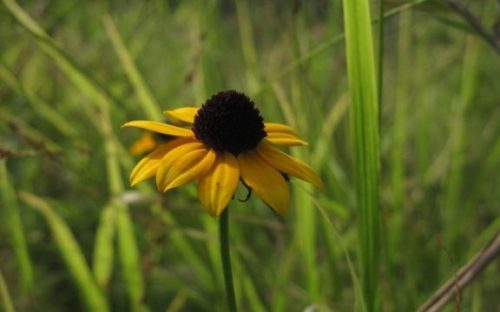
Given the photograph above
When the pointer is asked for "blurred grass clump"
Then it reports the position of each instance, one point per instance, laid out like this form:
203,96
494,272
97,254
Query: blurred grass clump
75,236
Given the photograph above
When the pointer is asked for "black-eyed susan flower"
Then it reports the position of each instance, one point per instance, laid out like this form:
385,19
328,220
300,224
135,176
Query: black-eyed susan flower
228,141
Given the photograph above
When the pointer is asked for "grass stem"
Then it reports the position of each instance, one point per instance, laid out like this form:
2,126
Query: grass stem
226,259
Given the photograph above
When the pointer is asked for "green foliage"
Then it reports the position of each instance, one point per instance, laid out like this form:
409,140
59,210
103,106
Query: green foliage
71,253
72,72
7,304
365,138
12,221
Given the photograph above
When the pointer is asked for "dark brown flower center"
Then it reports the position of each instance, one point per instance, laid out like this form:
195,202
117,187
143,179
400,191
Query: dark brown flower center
229,122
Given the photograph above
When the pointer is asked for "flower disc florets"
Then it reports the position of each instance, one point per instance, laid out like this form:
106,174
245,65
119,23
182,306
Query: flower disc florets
229,122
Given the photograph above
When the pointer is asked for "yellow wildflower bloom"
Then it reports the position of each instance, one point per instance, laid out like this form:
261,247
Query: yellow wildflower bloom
228,142
146,143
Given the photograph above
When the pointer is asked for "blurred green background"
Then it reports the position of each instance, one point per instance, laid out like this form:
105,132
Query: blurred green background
75,236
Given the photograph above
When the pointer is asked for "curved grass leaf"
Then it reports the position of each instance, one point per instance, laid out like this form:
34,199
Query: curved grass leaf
71,254
146,99
42,108
8,306
102,264
12,221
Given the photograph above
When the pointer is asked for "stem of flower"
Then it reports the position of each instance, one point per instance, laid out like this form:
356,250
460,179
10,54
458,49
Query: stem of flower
226,259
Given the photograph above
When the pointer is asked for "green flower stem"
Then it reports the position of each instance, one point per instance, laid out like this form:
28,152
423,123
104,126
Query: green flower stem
226,259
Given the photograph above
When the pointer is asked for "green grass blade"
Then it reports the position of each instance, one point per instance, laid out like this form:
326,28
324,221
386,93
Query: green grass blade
365,136
146,99
458,143
12,221
178,239
361,304
8,306
324,46
104,248
177,304
394,231
305,233
86,84
398,180
401,117
43,109
248,45
129,256
71,254
380,54
332,120
127,245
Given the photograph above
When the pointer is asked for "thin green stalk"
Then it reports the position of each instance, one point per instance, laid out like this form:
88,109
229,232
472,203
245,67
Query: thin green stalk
401,119
325,45
455,181
127,245
360,303
7,304
12,220
71,253
226,259
102,264
248,45
44,110
365,136
306,219
146,99
380,55
394,231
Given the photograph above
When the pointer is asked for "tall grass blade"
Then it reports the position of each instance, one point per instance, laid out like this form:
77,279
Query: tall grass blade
361,304
44,110
380,54
248,45
7,304
394,232
129,256
178,239
12,221
325,45
102,264
83,81
127,245
71,254
126,241
330,123
146,99
305,233
400,123
457,156
365,136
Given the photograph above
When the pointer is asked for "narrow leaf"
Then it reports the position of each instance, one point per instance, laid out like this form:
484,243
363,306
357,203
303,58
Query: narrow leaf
71,254
12,221
103,250
6,300
365,136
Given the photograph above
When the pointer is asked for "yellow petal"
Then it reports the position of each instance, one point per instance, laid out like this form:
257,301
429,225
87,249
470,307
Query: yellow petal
159,127
288,165
285,139
218,186
185,114
265,181
183,164
270,127
145,144
200,168
146,168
